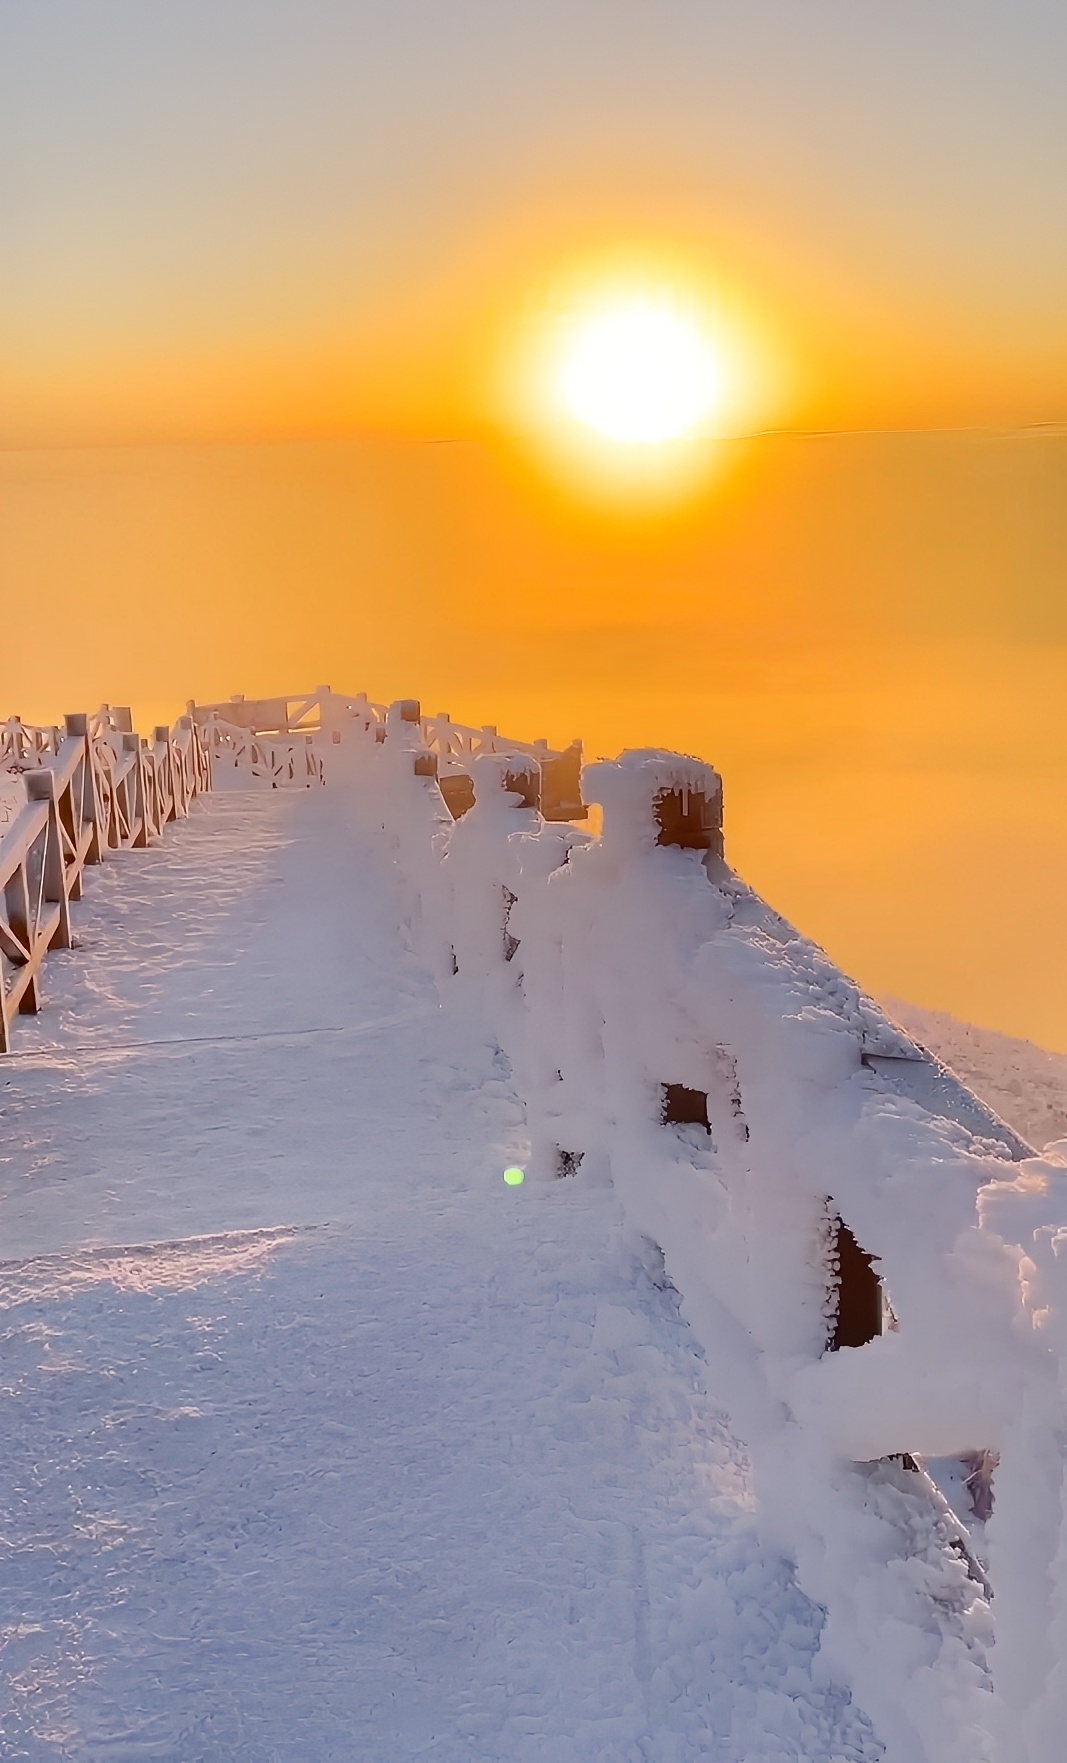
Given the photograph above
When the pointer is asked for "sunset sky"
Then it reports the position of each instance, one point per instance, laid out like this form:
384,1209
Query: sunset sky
286,292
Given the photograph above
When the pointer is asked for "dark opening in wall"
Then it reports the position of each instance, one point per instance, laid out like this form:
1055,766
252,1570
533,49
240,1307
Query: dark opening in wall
689,819
684,1107
568,1162
856,1291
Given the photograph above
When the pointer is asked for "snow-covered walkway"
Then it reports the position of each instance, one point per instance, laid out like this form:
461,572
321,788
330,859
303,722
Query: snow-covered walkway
318,1441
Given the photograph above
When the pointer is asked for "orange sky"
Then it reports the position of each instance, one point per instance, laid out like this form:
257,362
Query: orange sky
435,350
293,216
278,279
867,634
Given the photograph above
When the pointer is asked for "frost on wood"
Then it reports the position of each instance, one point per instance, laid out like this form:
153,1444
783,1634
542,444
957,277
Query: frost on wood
629,975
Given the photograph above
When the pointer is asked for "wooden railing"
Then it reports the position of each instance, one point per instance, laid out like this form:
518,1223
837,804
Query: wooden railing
256,734
280,763
71,795
69,798
298,713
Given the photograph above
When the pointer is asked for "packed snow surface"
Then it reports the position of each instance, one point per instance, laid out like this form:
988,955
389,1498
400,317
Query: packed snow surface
1025,1084
319,1442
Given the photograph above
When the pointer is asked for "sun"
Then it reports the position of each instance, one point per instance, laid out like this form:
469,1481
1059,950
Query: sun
639,371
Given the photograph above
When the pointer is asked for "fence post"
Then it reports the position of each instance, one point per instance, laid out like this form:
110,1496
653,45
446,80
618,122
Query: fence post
77,726
164,772
41,787
136,805
184,754
203,752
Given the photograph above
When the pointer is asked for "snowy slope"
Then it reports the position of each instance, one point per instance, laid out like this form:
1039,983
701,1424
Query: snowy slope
1024,1083
364,1456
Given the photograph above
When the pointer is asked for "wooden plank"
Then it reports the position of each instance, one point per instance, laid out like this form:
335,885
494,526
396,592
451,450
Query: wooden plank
24,829
257,715
12,944
24,993
87,809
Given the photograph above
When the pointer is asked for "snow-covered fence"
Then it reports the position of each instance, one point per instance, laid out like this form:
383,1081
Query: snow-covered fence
263,740
280,763
138,785
456,748
71,795
69,798
876,1264
273,739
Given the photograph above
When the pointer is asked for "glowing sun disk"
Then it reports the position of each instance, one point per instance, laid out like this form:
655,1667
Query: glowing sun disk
639,372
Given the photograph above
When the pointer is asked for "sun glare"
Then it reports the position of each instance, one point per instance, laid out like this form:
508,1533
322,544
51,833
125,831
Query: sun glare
631,372
639,372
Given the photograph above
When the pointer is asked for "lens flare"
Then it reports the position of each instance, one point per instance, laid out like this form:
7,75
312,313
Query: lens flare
514,1176
639,373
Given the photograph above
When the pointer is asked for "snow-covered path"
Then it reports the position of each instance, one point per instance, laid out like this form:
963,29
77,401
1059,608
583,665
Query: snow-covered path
366,1456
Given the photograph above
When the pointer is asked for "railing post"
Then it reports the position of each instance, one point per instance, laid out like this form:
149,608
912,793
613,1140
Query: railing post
89,807
204,758
164,773
41,787
136,806
183,752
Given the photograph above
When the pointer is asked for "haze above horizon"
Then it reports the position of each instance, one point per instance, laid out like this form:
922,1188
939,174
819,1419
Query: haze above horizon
260,259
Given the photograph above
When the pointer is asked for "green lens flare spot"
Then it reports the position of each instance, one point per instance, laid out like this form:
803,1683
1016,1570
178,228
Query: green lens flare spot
514,1177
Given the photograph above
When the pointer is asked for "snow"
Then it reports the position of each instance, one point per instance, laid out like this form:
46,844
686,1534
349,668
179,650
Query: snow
320,1442
331,1444
609,969
1026,1084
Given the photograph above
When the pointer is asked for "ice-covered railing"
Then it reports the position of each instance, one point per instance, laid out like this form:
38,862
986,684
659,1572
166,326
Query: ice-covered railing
69,797
279,763
875,1264
263,740
273,739
23,744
